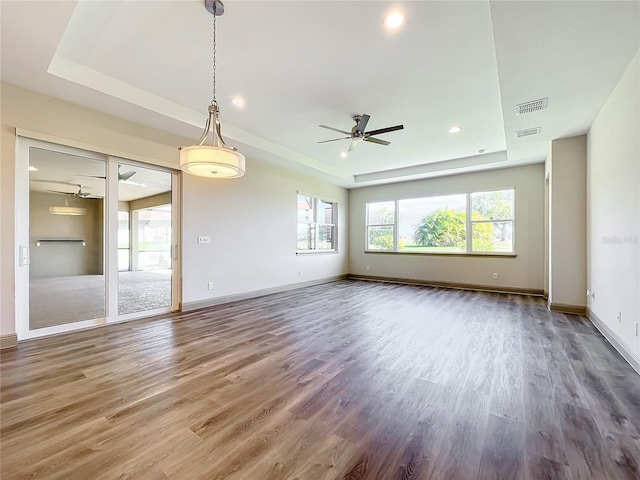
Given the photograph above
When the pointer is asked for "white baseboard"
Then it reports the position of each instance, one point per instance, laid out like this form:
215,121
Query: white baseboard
614,340
210,302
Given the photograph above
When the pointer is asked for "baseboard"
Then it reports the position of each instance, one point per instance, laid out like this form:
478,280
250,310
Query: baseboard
614,340
210,302
457,286
571,309
8,341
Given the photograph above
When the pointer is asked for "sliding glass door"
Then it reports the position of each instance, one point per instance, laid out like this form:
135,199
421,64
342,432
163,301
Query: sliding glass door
145,201
66,238
97,239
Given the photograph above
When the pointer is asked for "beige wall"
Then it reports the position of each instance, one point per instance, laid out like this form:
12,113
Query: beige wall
613,219
251,220
147,202
523,271
568,222
252,225
62,259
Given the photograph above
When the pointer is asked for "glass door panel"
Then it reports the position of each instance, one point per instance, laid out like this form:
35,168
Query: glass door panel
145,196
66,238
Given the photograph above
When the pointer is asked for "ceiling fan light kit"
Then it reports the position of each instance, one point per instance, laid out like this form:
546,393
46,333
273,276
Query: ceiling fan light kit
358,133
216,160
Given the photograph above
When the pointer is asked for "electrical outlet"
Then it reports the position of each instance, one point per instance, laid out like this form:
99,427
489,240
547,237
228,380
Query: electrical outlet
300,273
495,276
635,325
209,285
367,267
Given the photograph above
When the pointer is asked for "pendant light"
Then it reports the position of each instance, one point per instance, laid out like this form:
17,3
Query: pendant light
216,160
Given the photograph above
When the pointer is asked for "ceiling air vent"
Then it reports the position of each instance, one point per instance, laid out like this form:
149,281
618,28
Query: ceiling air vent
533,106
527,132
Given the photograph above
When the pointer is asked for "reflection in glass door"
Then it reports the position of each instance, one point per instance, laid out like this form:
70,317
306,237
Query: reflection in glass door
66,238
145,239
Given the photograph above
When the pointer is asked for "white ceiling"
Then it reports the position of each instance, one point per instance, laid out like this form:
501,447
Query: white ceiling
303,63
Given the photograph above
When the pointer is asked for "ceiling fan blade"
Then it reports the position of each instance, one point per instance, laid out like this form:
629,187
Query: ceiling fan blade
354,142
334,129
362,123
126,176
376,140
384,130
334,139
61,193
91,176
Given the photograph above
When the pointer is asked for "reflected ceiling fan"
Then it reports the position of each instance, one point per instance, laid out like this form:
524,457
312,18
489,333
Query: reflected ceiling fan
122,177
358,133
79,193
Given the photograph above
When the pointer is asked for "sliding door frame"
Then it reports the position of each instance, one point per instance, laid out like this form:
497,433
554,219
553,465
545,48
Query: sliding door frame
110,243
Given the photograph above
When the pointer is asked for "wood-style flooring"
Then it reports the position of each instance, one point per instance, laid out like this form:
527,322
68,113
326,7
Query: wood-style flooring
348,380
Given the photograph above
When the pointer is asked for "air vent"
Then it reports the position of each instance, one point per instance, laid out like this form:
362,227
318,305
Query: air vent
527,132
532,106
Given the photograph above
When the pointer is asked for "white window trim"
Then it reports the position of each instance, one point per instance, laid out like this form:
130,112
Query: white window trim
316,224
469,252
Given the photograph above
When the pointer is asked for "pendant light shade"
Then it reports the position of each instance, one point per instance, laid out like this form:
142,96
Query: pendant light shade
212,162
216,160
67,210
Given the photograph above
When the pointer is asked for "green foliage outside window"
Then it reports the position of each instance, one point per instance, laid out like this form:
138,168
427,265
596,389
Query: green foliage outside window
446,228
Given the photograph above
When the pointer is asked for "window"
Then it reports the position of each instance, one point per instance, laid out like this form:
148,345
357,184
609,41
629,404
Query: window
316,224
433,224
480,222
492,221
380,225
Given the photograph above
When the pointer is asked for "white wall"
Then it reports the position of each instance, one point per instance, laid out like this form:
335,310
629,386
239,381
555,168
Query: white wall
613,179
228,211
252,225
568,223
525,271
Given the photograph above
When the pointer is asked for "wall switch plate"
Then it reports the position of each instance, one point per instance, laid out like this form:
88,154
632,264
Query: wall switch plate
495,276
619,317
367,267
209,285
300,273
203,239
635,325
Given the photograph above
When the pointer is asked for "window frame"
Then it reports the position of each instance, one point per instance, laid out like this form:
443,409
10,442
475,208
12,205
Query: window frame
468,226
392,225
316,225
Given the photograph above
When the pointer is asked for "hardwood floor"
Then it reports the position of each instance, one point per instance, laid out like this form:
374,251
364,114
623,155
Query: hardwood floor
349,380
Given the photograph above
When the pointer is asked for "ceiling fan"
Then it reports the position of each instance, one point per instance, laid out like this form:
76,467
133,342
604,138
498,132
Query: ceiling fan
79,193
122,177
358,133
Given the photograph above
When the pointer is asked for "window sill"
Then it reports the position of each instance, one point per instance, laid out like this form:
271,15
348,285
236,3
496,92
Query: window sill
445,254
317,252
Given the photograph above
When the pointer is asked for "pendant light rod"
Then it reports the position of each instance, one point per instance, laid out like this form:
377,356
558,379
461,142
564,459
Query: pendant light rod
216,160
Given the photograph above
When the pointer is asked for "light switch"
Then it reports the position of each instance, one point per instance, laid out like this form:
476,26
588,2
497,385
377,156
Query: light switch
202,239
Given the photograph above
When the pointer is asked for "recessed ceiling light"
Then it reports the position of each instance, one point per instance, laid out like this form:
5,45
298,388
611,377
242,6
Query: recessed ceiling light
394,20
32,169
482,150
238,102
454,129
343,154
